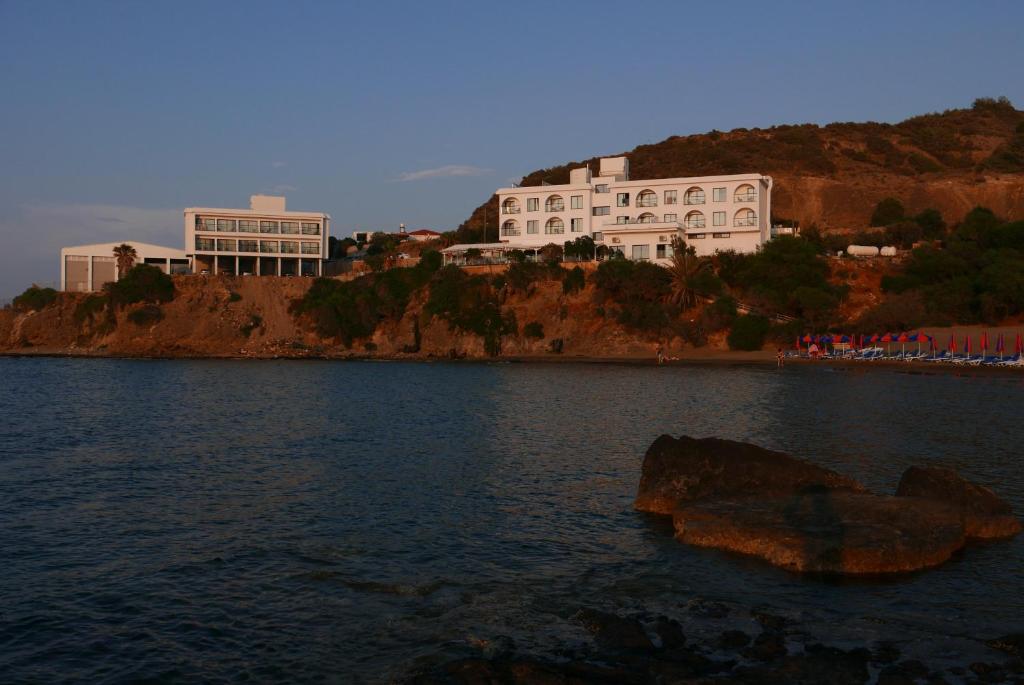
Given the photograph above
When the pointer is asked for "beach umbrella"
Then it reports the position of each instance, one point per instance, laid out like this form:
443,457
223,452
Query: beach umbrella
952,345
1000,345
903,339
984,343
1018,346
932,347
967,345
798,343
808,339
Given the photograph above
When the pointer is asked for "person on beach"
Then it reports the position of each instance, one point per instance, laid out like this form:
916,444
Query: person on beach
812,351
780,358
661,355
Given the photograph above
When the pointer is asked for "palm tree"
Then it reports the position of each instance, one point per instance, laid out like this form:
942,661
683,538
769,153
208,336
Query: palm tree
686,268
126,256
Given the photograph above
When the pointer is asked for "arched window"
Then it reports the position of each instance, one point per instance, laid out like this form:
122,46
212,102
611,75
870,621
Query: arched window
745,193
510,228
745,217
555,203
510,206
694,219
554,225
647,198
694,196
646,218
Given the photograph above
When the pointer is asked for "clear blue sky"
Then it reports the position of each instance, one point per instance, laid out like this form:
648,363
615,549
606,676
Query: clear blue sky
116,115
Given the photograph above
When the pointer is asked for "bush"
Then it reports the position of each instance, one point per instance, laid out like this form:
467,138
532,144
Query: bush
574,281
142,283
522,275
748,332
640,289
888,211
35,298
719,314
88,308
254,322
234,297
534,329
146,315
470,304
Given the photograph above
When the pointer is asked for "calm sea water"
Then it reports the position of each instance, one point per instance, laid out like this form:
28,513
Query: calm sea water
223,520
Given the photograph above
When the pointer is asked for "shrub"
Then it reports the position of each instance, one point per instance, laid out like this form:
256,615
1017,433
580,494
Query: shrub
888,211
88,308
574,281
142,283
254,322
534,329
470,304
719,314
35,298
521,276
146,315
748,332
234,297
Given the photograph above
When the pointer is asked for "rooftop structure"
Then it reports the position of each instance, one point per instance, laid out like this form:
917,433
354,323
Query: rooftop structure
265,239
85,268
639,218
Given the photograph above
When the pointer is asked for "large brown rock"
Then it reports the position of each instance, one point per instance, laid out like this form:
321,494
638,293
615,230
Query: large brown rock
837,532
686,469
983,513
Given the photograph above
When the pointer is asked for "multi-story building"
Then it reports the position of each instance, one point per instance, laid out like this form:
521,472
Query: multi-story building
262,240
639,218
89,267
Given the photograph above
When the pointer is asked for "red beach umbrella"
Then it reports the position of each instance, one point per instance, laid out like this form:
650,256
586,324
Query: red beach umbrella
952,345
984,343
967,345
1018,346
1000,345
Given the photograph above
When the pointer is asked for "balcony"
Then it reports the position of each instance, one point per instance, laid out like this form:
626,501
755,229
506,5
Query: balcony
647,202
694,200
749,221
745,197
694,223
509,210
510,232
554,207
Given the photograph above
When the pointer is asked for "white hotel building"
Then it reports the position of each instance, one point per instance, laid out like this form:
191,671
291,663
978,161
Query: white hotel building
639,218
262,240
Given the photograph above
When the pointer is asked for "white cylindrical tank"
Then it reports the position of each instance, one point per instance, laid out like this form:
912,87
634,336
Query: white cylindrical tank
862,251
889,251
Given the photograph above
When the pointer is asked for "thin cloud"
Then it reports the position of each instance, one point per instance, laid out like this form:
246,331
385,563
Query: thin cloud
447,171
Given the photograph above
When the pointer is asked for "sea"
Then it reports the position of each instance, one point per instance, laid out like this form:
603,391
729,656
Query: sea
284,521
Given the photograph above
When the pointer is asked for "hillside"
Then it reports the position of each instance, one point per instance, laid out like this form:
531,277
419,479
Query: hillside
834,175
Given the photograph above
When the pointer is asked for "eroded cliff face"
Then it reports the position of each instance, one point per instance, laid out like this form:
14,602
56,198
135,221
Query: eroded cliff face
250,317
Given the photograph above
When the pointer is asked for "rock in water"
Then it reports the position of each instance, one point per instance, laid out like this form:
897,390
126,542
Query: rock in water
984,514
835,532
687,469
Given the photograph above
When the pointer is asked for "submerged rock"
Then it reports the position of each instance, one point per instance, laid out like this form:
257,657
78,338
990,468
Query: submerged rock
983,513
686,469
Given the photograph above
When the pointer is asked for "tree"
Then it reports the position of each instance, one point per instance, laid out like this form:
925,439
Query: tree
888,211
126,256
931,222
686,270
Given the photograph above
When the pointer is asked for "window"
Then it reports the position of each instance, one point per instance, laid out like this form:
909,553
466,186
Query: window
248,245
601,211
225,245
720,235
510,206
718,219
555,203
576,202
290,227
601,188
510,228
204,243
248,226
289,247
206,224
696,236
618,249
268,227
576,225
226,225
646,218
268,246
310,248
664,252
647,198
310,228
622,200
745,193
745,217
694,196
598,236
671,217
670,197
531,226
533,204
622,219
718,194
694,220
641,252
554,226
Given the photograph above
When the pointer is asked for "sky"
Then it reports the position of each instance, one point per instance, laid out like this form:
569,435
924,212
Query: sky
114,116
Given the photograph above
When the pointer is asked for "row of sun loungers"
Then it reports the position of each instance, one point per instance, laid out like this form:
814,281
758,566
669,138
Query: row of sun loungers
870,354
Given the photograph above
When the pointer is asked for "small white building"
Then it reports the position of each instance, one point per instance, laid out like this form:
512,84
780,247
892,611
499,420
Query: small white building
84,268
262,240
423,235
639,218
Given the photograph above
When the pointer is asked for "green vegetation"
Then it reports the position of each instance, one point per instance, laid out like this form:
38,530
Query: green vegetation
748,332
470,304
142,283
147,315
348,310
641,290
534,329
521,276
234,297
35,298
255,321
888,211
719,314
574,281
582,249
692,276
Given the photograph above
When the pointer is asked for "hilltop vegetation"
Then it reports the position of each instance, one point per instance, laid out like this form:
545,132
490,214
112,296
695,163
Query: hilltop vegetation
834,175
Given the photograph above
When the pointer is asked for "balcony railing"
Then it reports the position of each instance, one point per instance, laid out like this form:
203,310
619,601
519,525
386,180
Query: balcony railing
509,210
745,197
554,207
693,200
752,221
511,232
644,220
694,223
647,202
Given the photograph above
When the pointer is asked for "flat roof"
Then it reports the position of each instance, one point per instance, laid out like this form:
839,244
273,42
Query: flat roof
107,248
633,183
251,212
